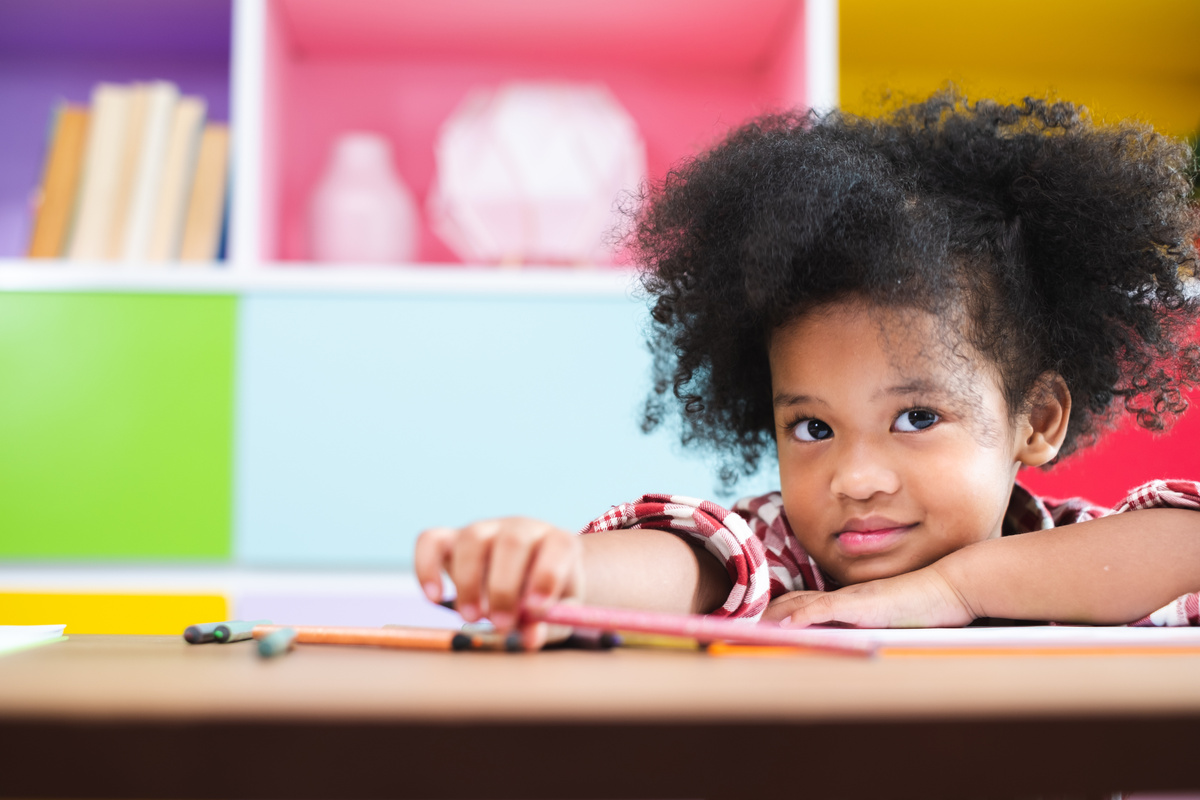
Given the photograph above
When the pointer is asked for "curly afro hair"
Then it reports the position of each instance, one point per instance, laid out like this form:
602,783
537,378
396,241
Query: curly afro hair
1065,246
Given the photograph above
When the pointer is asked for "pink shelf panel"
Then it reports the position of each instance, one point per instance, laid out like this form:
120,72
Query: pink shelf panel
686,71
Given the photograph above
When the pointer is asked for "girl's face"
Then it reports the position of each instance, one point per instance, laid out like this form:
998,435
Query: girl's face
894,450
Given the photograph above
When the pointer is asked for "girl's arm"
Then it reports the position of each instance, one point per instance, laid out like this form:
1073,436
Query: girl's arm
502,566
1108,571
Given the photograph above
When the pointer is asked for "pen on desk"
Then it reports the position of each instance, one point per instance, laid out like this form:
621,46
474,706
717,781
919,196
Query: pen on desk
694,626
392,636
236,630
481,636
658,641
588,639
277,642
200,633
578,639
509,642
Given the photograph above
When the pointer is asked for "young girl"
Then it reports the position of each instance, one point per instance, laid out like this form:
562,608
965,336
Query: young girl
909,311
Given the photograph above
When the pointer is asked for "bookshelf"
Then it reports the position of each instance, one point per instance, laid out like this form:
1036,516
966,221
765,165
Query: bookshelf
328,399
290,75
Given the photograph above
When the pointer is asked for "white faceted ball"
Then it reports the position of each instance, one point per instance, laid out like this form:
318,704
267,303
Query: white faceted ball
531,173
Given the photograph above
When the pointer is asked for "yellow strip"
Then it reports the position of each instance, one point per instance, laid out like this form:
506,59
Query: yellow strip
112,613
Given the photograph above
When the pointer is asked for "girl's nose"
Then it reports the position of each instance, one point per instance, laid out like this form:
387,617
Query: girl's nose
861,472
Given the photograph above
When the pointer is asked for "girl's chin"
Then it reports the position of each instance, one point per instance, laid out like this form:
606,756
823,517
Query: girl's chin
877,569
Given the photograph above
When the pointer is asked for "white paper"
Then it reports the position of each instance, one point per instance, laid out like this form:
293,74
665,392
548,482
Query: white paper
1024,636
16,637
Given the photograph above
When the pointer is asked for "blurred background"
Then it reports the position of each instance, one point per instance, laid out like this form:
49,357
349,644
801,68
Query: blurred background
283,282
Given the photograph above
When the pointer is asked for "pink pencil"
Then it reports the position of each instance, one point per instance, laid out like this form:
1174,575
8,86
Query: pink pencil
706,629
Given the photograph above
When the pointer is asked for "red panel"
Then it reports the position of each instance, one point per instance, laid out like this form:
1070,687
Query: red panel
1123,459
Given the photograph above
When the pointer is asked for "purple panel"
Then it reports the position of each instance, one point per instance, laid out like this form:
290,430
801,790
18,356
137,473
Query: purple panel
367,610
118,27
52,50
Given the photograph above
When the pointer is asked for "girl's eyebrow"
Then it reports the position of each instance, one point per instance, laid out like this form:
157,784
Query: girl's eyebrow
914,386
785,399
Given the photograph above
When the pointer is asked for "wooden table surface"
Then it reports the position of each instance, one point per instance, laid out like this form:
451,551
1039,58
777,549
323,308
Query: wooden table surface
146,716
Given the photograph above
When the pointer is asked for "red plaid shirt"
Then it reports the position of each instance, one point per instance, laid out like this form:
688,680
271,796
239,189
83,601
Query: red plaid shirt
764,559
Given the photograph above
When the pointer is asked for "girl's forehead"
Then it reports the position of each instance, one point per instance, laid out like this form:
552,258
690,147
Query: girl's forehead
888,343
904,332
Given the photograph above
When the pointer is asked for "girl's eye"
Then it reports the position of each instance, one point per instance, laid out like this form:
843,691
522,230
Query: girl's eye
916,420
812,430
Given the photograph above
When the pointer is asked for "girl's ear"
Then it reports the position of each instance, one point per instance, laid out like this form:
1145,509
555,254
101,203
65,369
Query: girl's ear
1041,431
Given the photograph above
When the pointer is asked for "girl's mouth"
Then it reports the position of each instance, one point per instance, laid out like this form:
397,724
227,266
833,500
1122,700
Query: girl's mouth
867,542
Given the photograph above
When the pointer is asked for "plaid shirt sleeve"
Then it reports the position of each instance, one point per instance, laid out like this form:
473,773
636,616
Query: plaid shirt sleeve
725,534
1167,494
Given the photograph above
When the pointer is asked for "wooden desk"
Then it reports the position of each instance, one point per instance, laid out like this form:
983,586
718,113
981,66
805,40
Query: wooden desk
151,717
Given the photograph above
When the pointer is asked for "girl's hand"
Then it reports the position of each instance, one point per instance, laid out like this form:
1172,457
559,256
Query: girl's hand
920,599
501,566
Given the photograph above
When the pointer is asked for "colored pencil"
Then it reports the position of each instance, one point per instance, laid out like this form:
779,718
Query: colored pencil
235,630
403,638
658,641
695,626
399,637
277,642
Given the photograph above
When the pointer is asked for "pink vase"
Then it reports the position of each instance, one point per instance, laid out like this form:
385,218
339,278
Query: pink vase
361,212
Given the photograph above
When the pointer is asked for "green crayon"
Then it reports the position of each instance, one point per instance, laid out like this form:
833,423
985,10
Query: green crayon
236,630
277,642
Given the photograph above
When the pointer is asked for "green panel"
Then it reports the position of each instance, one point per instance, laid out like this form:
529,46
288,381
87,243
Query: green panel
115,425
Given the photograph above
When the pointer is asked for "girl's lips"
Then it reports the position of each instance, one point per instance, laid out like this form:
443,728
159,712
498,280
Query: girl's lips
861,543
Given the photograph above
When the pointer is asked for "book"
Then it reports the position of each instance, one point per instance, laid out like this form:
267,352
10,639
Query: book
92,225
162,97
130,155
206,207
60,180
175,183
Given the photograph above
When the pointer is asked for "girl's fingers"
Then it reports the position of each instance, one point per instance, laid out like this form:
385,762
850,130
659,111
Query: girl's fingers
817,608
469,566
551,575
430,558
782,607
553,569
512,550
534,637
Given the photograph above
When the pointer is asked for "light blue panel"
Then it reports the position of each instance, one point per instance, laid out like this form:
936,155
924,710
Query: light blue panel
363,420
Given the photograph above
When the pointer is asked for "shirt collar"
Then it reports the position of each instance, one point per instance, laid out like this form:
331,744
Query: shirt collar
1025,513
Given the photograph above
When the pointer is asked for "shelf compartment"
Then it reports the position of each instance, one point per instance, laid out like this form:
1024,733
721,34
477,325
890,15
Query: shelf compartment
687,72
53,50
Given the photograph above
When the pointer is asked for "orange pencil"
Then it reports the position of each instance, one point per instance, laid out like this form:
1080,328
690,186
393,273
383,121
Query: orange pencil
402,638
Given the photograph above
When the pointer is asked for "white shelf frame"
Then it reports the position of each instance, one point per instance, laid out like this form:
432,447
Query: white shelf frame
19,275
247,78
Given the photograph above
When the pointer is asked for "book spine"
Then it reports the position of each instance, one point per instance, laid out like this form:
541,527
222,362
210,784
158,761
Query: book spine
60,181
130,155
135,239
106,135
177,174
205,214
